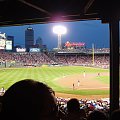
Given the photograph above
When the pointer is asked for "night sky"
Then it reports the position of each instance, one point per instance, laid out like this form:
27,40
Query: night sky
90,32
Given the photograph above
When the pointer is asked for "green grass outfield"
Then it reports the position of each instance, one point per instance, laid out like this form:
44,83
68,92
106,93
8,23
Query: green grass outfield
50,75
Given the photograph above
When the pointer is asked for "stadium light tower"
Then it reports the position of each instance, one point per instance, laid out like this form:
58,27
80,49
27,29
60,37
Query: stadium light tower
59,30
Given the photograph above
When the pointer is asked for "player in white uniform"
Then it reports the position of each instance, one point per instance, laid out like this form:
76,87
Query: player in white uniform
84,74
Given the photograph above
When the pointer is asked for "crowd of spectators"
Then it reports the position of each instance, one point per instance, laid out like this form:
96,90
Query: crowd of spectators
36,59
26,58
87,104
84,60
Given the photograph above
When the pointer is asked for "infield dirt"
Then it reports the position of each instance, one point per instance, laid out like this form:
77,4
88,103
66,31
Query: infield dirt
86,83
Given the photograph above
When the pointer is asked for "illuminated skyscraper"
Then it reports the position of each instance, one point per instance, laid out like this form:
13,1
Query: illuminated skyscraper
29,38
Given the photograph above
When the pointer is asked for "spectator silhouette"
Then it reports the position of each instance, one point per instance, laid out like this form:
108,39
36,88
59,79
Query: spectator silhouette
29,100
97,115
115,115
73,110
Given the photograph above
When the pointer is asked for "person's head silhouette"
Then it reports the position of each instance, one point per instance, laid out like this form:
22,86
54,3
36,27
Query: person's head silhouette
29,99
73,105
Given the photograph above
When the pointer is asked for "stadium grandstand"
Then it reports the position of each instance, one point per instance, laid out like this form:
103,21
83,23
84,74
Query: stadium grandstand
81,57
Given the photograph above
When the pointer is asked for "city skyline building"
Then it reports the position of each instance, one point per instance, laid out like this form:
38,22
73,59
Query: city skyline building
29,38
39,42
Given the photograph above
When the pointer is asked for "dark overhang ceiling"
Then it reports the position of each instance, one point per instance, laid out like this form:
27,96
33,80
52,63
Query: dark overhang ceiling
17,12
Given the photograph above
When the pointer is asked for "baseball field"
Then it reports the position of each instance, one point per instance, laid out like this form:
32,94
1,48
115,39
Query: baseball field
93,82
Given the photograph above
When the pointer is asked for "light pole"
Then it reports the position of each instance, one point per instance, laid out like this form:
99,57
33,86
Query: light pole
59,30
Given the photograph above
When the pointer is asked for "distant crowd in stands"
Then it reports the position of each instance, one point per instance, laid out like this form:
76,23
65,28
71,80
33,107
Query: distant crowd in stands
100,61
36,59
25,58
33,100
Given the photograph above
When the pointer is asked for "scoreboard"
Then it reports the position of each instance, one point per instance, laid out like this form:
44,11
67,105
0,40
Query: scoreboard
8,45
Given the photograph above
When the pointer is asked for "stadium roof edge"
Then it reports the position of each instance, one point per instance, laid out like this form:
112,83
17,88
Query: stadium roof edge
21,12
